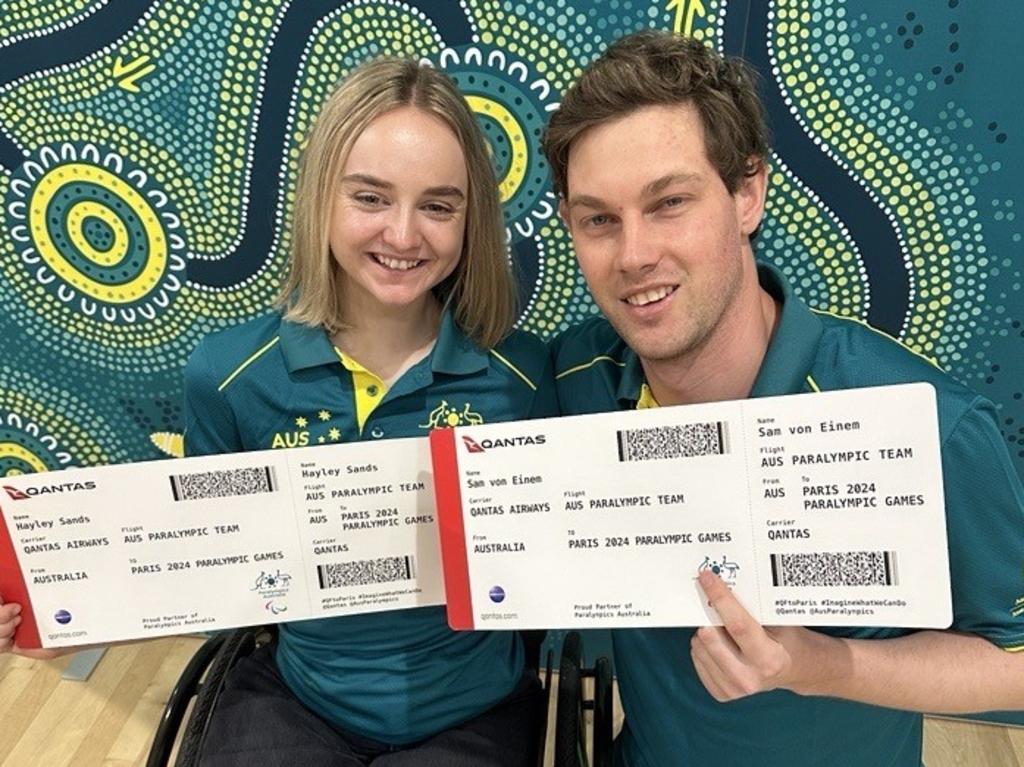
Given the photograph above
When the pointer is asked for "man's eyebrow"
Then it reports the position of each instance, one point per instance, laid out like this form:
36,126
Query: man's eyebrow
586,201
649,190
659,184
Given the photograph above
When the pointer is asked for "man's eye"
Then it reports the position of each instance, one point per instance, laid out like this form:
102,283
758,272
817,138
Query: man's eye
672,202
599,220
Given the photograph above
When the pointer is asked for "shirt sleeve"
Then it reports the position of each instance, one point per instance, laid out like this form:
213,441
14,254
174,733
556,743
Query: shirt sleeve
985,526
545,401
210,425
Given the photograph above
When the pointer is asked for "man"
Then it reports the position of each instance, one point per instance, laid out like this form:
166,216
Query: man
659,155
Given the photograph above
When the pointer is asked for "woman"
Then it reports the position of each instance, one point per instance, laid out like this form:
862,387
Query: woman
396,318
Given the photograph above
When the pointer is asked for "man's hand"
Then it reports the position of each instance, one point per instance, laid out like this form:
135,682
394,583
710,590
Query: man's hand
10,618
742,657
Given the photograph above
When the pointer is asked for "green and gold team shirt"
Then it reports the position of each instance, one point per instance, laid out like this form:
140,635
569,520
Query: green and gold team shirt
670,718
398,676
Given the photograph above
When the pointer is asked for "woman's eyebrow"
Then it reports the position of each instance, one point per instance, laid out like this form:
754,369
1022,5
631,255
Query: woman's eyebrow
368,180
446,190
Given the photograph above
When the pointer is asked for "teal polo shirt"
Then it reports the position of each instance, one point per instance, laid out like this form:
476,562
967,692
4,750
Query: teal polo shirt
400,676
670,718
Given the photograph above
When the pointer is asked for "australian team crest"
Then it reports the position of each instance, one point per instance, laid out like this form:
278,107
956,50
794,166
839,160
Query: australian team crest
445,415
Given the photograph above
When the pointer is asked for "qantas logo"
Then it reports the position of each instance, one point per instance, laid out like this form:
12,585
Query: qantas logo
29,492
472,446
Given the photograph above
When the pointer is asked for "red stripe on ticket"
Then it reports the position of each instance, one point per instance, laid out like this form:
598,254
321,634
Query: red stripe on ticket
448,495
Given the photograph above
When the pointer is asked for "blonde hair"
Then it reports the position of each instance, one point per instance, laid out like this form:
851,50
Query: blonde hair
481,291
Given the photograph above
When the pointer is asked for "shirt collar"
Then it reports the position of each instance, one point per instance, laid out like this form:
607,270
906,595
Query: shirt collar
455,353
631,379
794,345
789,357
305,347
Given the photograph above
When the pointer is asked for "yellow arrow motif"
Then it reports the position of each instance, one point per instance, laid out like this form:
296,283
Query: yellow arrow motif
169,442
686,10
127,74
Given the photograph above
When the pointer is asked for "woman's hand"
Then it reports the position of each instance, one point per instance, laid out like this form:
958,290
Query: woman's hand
10,619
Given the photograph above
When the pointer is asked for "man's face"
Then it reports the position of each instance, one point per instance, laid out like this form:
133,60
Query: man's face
661,242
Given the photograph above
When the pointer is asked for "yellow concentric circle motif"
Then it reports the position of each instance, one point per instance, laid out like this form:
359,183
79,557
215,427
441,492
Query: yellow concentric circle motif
76,219
156,261
18,452
516,138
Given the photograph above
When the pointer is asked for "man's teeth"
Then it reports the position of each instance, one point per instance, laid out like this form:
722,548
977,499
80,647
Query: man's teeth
395,263
649,297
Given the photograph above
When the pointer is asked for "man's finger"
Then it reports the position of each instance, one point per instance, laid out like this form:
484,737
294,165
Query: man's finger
721,647
745,631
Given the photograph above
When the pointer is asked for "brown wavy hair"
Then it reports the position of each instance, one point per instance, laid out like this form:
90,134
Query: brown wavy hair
656,68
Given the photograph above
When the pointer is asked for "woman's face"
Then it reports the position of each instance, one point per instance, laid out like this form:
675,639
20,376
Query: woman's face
399,213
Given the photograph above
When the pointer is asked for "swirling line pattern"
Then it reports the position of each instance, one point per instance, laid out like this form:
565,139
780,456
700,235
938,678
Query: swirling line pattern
147,159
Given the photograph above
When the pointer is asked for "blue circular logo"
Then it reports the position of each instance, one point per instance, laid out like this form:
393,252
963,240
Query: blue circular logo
63,617
497,594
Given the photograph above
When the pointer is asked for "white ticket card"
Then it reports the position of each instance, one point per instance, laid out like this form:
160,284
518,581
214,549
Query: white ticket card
820,509
169,547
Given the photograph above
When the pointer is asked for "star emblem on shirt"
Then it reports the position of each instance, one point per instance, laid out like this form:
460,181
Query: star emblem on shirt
324,415
301,422
334,434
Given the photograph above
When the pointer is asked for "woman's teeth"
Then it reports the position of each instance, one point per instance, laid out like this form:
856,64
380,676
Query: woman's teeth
401,265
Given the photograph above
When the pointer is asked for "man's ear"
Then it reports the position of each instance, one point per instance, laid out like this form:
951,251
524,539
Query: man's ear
750,197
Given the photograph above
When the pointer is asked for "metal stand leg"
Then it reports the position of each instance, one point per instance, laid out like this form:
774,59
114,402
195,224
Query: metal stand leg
82,664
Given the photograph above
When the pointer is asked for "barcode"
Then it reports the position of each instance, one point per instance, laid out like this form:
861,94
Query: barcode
366,571
684,441
223,483
849,568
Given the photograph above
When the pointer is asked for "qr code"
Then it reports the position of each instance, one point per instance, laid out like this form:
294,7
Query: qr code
849,568
362,572
223,483
684,441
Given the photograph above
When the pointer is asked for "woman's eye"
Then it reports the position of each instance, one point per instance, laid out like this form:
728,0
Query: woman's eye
672,202
369,198
438,209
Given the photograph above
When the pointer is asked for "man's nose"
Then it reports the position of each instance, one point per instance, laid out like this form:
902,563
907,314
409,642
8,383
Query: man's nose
638,249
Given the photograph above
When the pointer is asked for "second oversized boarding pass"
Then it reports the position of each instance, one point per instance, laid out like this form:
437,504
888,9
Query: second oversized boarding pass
170,547
817,509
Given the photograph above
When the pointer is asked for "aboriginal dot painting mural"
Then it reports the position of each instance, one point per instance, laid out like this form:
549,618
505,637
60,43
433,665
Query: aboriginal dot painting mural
148,153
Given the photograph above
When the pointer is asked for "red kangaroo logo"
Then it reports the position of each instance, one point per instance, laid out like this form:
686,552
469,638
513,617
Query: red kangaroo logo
472,445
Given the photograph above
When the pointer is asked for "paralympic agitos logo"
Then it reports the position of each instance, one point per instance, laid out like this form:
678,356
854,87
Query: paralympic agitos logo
484,445
31,492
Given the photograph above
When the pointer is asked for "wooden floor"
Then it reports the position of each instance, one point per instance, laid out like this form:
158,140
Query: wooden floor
49,722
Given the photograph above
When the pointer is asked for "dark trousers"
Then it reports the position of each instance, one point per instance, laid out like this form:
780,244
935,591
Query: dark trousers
258,722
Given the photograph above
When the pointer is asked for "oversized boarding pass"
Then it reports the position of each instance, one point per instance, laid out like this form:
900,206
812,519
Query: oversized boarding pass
170,547
817,509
